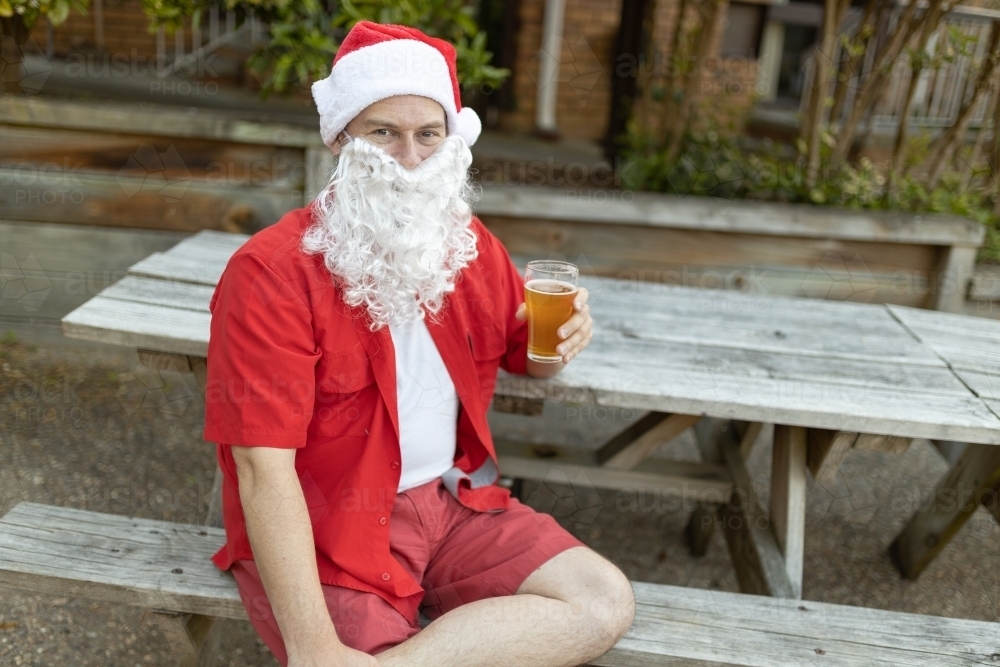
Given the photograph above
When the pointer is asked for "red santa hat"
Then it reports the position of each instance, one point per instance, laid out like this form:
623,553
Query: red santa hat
378,61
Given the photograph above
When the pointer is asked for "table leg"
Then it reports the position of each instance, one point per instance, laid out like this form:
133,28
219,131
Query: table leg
825,451
701,523
788,499
974,480
760,567
194,638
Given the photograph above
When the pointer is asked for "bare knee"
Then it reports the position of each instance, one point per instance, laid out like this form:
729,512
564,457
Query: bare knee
606,606
613,607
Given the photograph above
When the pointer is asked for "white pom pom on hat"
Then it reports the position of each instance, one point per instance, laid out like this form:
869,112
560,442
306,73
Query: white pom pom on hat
376,61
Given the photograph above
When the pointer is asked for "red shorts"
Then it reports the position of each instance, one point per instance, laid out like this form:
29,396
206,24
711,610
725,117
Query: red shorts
458,555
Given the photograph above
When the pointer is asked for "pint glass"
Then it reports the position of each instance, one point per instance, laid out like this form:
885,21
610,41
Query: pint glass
549,290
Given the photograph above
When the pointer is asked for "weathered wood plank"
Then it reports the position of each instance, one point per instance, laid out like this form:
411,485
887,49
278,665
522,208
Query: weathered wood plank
788,499
922,322
655,317
32,149
168,121
698,628
140,325
789,365
138,289
706,213
143,202
140,562
679,486
986,385
970,345
606,376
134,561
163,266
789,266
642,439
969,482
873,442
826,450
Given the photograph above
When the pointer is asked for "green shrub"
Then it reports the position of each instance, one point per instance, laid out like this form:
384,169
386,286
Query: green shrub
738,167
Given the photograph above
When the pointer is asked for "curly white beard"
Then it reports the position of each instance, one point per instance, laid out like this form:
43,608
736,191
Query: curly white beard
395,239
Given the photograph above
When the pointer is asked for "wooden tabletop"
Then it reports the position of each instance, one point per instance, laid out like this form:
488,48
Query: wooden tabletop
836,365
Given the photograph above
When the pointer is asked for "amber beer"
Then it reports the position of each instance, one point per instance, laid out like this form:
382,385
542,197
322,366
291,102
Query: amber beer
549,290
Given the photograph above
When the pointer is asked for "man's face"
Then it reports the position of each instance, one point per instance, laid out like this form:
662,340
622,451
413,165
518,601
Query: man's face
407,127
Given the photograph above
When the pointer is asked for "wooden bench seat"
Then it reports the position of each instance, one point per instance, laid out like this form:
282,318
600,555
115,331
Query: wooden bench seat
165,567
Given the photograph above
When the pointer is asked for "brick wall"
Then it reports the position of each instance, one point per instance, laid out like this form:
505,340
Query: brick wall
126,28
586,67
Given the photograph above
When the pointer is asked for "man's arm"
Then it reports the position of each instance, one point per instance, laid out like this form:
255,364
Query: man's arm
281,535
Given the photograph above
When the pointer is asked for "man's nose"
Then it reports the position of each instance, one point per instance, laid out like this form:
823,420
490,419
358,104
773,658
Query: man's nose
408,155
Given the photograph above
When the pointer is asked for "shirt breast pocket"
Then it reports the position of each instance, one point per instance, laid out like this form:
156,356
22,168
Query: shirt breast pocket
345,394
486,341
488,345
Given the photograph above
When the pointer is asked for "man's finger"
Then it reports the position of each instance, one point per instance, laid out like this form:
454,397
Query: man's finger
571,325
577,340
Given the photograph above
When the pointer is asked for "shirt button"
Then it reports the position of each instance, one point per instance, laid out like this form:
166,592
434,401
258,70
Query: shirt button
385,576
381,521
394,465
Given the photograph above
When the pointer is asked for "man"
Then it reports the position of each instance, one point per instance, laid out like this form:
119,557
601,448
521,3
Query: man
354,350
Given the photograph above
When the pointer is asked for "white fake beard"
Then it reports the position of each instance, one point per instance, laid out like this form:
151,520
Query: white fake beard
395,239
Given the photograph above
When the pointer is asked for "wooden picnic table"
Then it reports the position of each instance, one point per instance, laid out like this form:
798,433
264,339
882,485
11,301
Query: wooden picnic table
831,376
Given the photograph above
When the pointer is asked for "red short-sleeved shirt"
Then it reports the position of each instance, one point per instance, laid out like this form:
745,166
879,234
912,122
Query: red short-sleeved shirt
291,365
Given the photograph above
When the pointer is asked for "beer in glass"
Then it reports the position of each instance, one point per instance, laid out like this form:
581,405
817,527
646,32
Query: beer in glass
549,290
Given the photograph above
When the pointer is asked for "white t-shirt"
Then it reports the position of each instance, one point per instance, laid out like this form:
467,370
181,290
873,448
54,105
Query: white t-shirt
427,405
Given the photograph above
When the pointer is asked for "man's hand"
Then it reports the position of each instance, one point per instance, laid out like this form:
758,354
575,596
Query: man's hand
575,333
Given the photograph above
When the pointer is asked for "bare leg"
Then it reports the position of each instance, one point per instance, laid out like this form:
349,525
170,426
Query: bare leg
567,612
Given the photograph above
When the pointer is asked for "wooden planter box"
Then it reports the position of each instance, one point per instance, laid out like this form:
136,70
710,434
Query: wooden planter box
151,167
766,248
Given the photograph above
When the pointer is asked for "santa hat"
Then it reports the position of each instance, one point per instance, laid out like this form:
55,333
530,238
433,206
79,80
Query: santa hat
378,61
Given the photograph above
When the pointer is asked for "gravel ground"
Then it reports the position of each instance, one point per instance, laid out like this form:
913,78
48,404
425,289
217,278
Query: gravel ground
86,427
